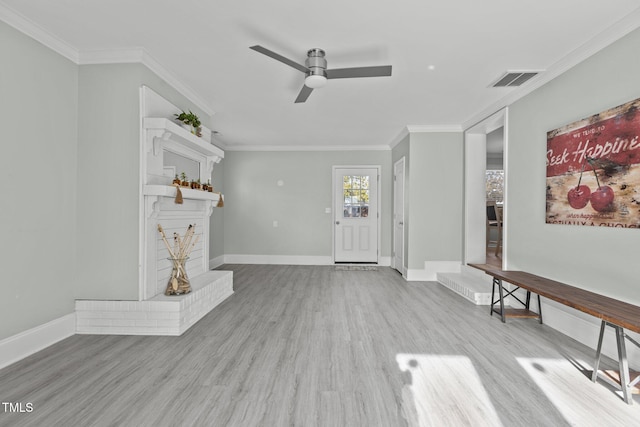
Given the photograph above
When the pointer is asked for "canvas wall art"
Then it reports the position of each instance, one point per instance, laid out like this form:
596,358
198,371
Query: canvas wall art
593,170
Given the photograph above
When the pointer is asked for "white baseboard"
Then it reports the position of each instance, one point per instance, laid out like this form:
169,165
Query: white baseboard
216,262
431,269
17,347
278,259
384,261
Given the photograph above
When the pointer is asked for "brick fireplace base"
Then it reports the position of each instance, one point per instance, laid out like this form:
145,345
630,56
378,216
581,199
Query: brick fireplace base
161,315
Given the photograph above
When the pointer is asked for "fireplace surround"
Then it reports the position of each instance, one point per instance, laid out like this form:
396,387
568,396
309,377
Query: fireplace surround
166,150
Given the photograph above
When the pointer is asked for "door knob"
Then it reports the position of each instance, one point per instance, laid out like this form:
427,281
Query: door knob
401,223
337,222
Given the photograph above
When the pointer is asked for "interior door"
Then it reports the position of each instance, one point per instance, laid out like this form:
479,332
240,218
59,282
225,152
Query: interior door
398,216
356,214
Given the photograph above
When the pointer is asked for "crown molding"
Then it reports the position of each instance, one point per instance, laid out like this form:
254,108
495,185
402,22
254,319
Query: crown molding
409,129
398,139
100,56
433,128
36,32
589,48
111,56
307,148
141,56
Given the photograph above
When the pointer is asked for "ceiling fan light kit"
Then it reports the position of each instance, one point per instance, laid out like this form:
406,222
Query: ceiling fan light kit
314,81
316,72
317,65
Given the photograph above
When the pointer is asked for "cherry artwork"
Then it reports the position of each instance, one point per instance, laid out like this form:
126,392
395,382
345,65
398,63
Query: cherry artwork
601,199
579,195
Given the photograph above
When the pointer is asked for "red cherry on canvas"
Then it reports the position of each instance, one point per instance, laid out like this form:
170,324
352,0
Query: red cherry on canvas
579,196
602,198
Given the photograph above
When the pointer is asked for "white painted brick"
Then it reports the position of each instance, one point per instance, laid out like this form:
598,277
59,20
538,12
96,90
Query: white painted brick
161,315
165,306
139,315
93,322
146,323
173,315
167,323
110,314
123,322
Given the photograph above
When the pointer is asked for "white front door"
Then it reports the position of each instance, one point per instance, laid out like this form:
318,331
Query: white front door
398,216
355,214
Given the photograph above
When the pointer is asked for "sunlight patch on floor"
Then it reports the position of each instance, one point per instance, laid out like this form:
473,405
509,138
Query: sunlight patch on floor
444,391
560,381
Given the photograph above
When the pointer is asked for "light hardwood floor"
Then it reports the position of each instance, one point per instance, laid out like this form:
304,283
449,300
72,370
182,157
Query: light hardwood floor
313,346
492,258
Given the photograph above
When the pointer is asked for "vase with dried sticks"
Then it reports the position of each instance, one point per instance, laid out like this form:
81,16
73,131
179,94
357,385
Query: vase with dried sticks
179,254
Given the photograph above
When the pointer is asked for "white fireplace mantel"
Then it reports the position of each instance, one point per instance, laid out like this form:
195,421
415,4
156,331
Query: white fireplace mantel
187,193
154,193
167,129
164,134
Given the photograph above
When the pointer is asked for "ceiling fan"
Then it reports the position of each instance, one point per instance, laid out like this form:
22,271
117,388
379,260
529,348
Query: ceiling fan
316,72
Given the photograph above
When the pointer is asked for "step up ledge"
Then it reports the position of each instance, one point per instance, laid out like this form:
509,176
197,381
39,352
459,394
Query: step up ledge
466,287
161,315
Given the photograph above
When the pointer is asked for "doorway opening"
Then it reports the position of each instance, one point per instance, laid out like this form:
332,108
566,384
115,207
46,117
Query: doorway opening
485,180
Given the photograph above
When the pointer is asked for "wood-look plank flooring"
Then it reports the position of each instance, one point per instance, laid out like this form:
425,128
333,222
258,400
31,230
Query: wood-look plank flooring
312,346
493,258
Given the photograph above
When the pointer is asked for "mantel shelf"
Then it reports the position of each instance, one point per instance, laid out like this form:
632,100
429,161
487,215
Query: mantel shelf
187,193
176,133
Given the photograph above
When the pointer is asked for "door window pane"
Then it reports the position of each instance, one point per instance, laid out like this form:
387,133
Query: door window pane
355,189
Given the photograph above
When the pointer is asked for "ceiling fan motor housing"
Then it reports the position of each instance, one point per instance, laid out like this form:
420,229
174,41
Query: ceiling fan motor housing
316,63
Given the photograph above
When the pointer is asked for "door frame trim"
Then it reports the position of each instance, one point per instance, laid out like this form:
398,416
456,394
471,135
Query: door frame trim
334,207
402,269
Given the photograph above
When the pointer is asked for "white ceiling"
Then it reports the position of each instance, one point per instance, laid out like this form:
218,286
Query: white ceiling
205,46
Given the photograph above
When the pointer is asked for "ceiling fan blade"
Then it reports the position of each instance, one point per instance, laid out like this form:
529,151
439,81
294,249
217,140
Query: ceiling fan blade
345,73
280,58
304,94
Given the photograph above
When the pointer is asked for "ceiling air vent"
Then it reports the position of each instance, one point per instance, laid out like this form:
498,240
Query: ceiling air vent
514,78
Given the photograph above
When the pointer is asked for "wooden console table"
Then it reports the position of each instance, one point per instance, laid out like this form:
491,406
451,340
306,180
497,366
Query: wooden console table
614,313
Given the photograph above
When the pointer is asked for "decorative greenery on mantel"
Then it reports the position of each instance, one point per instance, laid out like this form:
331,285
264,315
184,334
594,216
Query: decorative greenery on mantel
192,121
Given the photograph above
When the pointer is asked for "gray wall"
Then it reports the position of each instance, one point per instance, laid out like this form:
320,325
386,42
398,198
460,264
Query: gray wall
433,196
216,227
38,118
253,200
399,151
435,206
601,259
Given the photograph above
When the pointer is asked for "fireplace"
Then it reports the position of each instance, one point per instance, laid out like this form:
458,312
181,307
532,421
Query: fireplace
167,150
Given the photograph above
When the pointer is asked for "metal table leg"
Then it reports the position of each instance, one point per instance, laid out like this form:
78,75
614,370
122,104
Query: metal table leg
539,310
498,282
501,290
623,364
594,375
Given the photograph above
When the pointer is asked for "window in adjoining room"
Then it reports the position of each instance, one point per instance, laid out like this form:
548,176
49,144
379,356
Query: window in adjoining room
495,185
